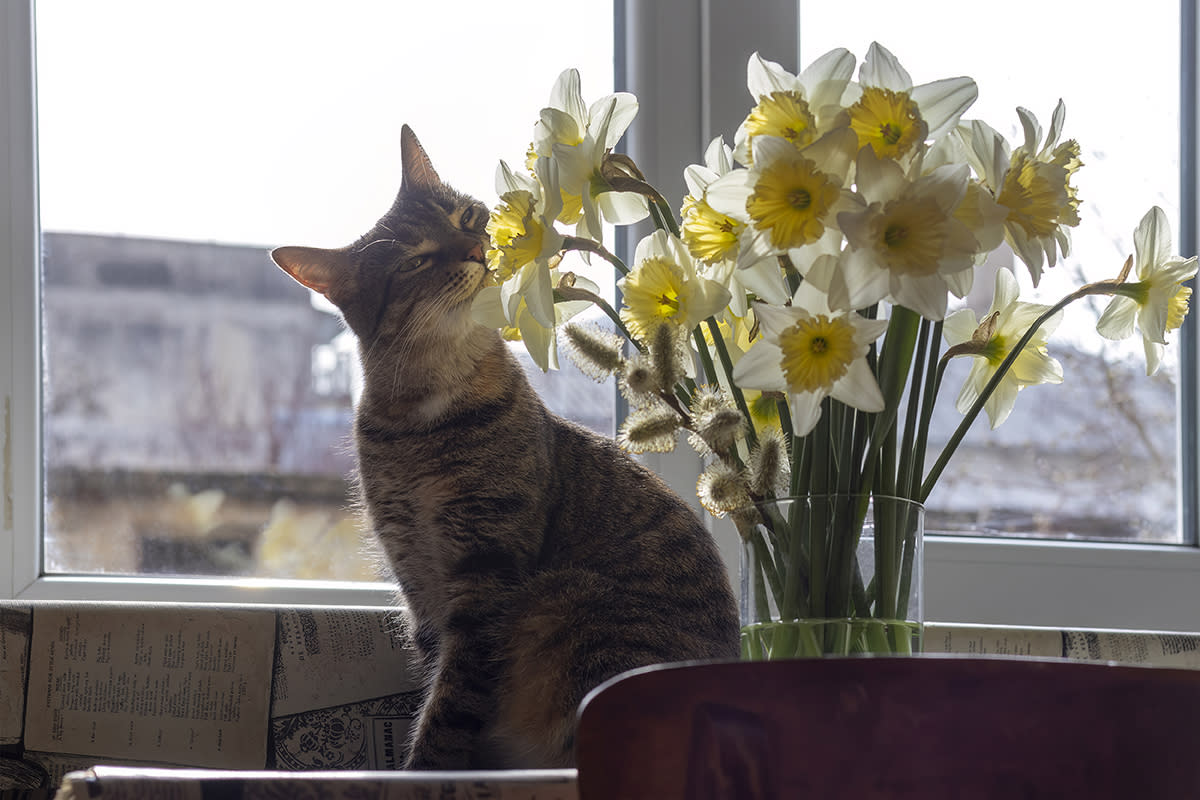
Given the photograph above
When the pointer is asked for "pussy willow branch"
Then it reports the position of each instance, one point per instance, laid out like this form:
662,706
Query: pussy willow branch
575,293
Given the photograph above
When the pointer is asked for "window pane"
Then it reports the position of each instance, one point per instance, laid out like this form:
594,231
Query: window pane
1095,457
197,402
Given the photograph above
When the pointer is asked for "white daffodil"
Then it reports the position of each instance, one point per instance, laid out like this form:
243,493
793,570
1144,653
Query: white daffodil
894,117
577,137
791,197
990,343
516,322
721,240
811,352
904,239
1157,302
524,239
664,288
1033,184
710,235
798,108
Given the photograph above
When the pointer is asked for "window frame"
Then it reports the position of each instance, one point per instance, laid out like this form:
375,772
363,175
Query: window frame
688,88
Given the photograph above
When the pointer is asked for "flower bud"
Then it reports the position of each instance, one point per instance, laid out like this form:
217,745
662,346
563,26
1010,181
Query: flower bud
722,489
595,351
649,430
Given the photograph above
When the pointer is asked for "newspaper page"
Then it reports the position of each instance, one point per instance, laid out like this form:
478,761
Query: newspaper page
346,691
329,657
113,783
1159,649
998,640
171,685
15,624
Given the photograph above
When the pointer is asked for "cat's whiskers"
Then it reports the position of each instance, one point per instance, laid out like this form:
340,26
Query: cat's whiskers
377,241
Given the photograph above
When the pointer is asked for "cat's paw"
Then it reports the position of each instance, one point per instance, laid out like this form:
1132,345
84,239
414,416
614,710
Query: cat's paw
427,759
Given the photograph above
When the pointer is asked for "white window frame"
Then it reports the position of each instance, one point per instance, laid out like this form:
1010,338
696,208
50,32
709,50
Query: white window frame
685,60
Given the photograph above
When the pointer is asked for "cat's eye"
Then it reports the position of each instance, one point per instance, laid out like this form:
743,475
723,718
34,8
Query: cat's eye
415,263
473,219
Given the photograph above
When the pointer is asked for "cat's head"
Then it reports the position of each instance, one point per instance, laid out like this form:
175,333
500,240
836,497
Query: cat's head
423,261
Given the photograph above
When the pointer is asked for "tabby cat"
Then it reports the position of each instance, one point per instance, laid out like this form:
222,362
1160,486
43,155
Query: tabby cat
535,558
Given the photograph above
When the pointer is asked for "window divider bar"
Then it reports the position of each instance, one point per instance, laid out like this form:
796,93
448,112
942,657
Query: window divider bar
1189,340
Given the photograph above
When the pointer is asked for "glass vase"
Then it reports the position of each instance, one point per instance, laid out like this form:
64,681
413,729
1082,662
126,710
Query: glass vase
831,575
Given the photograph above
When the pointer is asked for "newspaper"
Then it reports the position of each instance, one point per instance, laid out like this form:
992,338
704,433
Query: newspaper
373,734
1159,649
113,783
171,685
15,623
982,641
329,657
1180,650
346,690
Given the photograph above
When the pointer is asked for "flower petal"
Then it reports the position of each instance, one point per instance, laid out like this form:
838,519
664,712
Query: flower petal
612,116
881,68
1154,353
806,410
942,103
1151,242
566,96
960,326
825,79
759,368
487,309
1119,318
858,388
764,77
539,342
623,208
1001,403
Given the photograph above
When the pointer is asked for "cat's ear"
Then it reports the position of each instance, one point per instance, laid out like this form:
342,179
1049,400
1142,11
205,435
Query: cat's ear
317,268
418,170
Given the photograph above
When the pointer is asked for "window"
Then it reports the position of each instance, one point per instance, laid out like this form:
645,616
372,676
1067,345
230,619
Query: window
973,578
196,402
686,63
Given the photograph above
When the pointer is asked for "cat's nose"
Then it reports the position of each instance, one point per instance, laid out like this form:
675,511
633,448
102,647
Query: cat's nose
476,254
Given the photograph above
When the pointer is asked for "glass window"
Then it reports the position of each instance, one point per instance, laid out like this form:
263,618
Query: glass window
1095,457
197,402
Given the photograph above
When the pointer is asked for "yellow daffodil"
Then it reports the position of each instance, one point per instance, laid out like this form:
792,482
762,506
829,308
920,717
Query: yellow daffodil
796,108
577,137
722,240
517,322
811,352
904,239
524,239
1005,323
791,197
710,235
1158,301
1033,184
664,288
893,117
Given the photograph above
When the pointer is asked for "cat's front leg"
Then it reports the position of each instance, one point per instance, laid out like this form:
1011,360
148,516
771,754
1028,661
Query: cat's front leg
459,705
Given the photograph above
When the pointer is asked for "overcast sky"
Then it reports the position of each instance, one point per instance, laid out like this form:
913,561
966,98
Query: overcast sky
278,122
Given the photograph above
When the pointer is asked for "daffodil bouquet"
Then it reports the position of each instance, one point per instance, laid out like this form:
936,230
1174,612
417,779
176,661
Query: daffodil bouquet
796,317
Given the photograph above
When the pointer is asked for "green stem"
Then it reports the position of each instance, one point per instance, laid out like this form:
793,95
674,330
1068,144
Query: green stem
905,477
933,385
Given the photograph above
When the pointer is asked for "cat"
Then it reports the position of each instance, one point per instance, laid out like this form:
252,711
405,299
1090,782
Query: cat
535,559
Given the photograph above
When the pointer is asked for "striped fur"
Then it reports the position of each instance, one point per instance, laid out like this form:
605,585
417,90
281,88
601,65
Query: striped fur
535,558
